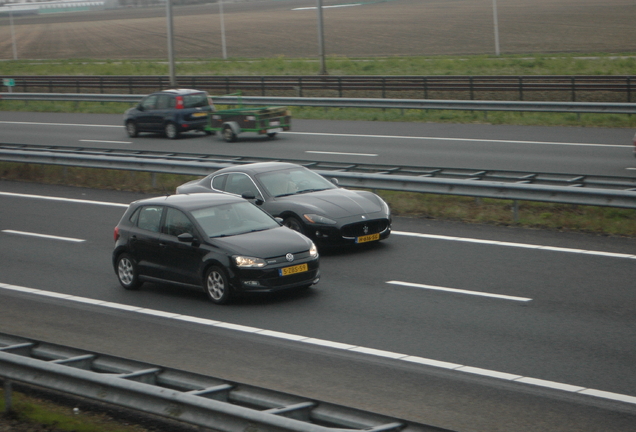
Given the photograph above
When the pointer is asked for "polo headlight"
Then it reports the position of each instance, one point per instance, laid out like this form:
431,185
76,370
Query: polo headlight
313,251
249,262
318,219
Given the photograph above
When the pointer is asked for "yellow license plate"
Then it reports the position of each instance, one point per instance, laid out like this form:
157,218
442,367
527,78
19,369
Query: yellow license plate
368,238
201,114
293,270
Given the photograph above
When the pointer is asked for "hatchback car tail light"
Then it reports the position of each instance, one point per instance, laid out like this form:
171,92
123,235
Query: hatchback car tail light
116,233
179,102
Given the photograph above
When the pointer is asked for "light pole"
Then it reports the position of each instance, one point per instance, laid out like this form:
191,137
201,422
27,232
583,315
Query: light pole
494,13
222,30
173,79
15,48
321,41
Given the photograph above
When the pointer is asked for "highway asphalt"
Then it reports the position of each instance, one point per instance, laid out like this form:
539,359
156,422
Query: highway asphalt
444,323
467,327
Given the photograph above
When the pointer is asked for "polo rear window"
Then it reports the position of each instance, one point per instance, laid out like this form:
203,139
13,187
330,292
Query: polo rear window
195,100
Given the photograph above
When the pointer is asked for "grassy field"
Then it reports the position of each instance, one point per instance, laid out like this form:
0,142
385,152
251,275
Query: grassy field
288,28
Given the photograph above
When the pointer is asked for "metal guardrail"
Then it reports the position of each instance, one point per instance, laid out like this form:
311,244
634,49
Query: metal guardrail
556,188
568,87
571,107
195,399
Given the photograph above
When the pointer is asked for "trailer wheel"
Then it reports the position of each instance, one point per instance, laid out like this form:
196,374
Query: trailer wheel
271,135
228,134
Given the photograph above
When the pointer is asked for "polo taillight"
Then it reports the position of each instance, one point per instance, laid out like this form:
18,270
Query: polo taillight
179,102
116,233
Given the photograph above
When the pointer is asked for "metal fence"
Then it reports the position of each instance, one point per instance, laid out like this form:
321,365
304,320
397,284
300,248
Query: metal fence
616,88
195,399
619,193
381,103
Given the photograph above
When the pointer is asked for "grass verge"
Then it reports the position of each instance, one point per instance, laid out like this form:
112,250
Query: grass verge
562,217
512,64
35,414
359,114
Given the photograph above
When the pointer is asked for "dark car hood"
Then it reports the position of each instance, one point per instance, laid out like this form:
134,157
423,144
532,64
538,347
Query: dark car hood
337,203
265,244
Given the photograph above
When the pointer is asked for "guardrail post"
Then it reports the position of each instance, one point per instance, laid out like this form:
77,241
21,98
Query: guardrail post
515,211
300,86
8,403
425,88
520,88
629,89
262,86
573,90
472,95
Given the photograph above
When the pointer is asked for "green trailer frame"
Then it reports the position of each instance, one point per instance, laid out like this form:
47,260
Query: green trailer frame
261,120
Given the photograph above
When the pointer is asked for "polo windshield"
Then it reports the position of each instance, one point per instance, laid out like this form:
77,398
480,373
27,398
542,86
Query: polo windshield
233,219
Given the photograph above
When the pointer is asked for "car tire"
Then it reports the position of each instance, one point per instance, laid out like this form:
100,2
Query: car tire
131,129
127,272
216,285
228,134
171,130
271,135
294,223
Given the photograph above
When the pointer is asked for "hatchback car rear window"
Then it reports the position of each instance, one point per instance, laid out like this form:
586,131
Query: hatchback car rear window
197,100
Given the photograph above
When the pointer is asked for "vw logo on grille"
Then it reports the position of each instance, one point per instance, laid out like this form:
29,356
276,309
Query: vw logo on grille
289,257
365,229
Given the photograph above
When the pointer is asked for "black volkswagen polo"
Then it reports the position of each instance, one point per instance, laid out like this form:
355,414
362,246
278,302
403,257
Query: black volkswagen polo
219,243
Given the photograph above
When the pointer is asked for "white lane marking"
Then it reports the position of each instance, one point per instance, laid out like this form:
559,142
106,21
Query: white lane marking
327,7
403,233
106,142
60,124
374,136
73,200
340,153
518,245
460,291
336,345
46,236
461,139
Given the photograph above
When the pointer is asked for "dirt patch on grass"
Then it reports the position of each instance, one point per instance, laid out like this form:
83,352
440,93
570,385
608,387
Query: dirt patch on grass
288,28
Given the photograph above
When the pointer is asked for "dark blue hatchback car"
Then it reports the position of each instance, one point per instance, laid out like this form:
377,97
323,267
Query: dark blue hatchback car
170,112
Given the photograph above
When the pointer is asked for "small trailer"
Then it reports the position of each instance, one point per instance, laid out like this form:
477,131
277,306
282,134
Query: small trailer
261,120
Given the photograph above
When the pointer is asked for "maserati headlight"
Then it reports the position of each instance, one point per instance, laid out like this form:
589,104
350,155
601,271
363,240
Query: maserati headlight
247,262
386,207
317,219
